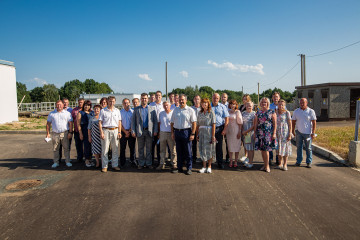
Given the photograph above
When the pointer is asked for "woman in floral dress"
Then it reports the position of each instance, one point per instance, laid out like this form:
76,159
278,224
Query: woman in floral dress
283,135
265,129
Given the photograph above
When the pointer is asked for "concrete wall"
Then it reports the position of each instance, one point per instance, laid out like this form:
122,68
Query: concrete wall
8,94
339,102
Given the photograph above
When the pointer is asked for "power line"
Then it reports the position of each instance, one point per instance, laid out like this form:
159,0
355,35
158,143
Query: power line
334,50
282,75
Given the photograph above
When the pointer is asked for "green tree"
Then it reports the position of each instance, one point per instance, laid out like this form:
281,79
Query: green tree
21,90
37,94
104,88
91,86
51,93
72,89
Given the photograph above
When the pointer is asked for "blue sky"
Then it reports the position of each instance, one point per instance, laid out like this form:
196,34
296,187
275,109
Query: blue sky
222,44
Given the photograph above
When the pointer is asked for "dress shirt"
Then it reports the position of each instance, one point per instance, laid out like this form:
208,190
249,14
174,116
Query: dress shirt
303,119
173,106
221,112
110,119
144,115
196,109
69,109
183,117
126,118
226,104
74,114
59,120
274,107
158,108
164,119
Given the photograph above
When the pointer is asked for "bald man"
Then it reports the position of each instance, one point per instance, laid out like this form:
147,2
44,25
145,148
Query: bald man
304,121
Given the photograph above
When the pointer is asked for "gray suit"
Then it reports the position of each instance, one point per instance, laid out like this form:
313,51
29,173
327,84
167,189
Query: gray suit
144,136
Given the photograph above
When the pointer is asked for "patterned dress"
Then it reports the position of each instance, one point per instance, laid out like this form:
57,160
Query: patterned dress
95,135
248,122
282,133
205,122
264,131
233,142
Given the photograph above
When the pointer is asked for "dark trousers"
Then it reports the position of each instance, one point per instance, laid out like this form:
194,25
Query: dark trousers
271,157
60,148
227,150
183,148
123,142
86,143
219,144
79,147
194,148
154,143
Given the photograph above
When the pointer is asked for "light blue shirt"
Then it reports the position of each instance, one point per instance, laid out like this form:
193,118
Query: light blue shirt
274,107
144,115
69,109
126,118
221,112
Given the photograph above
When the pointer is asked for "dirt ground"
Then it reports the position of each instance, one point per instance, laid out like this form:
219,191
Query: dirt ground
78,203
26,123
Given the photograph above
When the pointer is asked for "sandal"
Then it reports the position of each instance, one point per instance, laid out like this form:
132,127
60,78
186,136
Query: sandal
235,165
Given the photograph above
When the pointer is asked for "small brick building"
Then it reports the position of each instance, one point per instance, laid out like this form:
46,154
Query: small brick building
331,101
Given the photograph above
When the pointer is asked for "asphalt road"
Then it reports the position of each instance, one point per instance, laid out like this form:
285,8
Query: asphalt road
78,203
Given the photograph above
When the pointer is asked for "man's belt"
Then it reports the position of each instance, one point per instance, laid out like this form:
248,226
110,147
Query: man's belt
110,128
186,129
220,126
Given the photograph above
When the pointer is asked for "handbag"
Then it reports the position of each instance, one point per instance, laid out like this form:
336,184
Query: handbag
247,139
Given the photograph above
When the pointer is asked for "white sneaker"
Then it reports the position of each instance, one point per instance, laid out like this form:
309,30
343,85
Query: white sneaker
248,165
68,164
243,158
208,170
55,165
203,170
246,160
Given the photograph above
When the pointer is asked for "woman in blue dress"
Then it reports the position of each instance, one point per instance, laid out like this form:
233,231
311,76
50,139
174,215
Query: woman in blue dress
83,118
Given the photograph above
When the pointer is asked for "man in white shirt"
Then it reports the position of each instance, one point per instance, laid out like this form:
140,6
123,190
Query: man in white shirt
110,133
183,127
61,121
304,121
196,107
158,105
165,137
69,109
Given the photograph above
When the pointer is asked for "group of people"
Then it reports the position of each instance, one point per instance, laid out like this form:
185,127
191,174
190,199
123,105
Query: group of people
180,130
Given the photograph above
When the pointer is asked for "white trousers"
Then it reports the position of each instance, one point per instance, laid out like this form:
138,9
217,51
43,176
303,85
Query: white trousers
111,137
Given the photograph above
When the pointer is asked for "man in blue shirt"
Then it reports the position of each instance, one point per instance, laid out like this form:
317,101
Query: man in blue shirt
126,138
222,121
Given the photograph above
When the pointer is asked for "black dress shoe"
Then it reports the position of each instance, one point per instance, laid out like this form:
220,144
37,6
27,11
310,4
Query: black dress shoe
188,172
175,170
221,166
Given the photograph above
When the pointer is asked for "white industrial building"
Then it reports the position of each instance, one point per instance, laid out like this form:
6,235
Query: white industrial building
8,94
95,98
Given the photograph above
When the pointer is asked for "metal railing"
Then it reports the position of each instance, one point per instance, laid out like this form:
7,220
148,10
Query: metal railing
41,107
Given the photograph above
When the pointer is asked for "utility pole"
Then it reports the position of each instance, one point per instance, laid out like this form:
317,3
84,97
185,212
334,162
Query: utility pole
166,87
303,70
242,90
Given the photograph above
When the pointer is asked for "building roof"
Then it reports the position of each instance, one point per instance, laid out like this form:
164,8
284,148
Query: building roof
3,62
330,84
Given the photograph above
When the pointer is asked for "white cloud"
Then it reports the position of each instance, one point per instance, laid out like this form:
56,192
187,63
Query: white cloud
145,76
185,74
330,62
258,68
38,81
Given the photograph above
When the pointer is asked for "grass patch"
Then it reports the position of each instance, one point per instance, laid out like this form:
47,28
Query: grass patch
335,139
25,123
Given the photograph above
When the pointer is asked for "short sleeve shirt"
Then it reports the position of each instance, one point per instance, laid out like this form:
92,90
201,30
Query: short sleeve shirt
59,120
221,112
164,119
110,119
158,108
303,120
183,117
126,118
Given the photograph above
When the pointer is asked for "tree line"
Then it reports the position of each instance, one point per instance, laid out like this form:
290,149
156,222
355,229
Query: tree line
50,93
72,90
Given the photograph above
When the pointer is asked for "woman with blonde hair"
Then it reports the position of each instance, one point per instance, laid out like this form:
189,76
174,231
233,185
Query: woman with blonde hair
205,129
283,134
265,129
248,133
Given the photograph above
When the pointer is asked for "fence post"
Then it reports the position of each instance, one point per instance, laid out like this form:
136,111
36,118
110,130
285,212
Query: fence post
357,121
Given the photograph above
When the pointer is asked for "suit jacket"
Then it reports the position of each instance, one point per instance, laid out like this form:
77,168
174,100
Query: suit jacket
137,121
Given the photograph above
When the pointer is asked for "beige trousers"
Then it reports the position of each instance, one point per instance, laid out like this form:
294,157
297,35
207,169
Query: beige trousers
165,140
62,138
111,137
